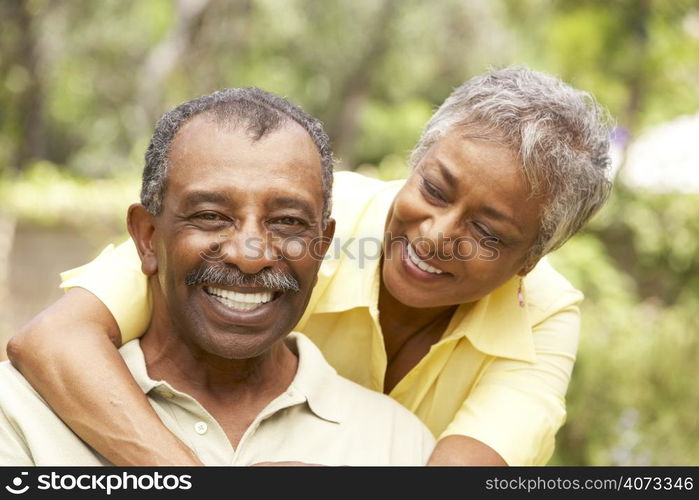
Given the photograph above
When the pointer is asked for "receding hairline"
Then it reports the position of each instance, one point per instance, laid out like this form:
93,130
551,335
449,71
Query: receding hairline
226,124
286,124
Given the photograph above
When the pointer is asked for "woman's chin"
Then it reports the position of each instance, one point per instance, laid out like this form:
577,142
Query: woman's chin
407,295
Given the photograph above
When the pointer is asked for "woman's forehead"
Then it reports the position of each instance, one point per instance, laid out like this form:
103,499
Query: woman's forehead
459,155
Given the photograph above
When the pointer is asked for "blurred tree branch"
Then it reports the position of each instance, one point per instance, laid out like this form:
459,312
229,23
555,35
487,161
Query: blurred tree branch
164,56
343,123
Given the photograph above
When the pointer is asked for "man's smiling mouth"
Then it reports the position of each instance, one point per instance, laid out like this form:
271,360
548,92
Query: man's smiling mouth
239,301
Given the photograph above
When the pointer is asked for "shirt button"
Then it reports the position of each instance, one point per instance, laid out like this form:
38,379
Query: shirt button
201,427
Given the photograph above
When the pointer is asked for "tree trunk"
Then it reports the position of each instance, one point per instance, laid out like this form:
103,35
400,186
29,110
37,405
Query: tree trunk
31,143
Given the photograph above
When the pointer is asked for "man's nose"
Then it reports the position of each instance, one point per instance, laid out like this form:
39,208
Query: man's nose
250,248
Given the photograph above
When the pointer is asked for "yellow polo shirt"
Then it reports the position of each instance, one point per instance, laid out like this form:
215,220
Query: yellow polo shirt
499,374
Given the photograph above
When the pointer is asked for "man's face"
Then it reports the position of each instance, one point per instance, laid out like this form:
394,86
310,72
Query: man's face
239,207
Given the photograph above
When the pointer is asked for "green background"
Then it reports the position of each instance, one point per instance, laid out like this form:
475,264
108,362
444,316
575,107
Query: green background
82,83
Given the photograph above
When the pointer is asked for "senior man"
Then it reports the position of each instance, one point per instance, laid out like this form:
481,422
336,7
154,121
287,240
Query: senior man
234,221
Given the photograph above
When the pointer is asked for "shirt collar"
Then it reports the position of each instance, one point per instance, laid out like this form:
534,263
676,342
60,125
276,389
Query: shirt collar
315,379
136,362
497,324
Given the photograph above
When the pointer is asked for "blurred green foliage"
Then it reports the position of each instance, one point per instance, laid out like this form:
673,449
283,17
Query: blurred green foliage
82,83
634,383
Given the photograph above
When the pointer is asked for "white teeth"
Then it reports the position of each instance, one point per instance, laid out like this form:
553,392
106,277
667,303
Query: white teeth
240,301
421,263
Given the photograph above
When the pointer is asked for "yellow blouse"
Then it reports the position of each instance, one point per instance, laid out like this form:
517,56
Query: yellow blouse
499,374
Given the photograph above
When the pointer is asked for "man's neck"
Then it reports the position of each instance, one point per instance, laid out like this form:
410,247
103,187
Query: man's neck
233,391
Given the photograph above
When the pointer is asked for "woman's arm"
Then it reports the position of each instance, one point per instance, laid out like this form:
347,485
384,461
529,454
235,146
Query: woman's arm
516,407
68,354
464,450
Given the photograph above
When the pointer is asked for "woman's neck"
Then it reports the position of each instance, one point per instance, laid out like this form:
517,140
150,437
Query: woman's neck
408,334
395,316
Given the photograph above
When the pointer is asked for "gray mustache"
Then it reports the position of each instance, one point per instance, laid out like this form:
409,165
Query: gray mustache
232,276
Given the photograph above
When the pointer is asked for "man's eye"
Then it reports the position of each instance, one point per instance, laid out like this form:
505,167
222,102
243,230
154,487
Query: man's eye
288,225
288,221
209,216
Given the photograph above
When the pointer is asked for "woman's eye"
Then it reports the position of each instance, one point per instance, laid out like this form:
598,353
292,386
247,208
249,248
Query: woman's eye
486,233
432,190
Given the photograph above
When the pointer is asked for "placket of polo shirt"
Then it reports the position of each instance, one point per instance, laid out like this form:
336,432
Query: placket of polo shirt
291,397
196,427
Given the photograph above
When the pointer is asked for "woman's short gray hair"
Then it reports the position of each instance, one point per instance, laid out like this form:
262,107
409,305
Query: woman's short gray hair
560,134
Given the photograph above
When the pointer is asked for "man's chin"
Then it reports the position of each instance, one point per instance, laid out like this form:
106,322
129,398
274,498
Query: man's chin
235,346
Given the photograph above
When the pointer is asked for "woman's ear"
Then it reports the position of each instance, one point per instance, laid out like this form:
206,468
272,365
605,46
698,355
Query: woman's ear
141,226
528,266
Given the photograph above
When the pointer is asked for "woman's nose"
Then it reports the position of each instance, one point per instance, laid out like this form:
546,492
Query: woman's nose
437,236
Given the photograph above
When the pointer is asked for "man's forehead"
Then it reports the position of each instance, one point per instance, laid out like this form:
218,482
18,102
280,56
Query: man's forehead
205,130
209,123
208,158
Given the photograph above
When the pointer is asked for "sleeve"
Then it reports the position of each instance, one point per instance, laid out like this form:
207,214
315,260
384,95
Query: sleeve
517,407
116,279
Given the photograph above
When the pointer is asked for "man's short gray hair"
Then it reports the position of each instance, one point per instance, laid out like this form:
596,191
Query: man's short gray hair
259,112
560,135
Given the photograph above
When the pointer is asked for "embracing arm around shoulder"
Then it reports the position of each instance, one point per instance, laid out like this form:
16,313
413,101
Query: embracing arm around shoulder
464,450
69,354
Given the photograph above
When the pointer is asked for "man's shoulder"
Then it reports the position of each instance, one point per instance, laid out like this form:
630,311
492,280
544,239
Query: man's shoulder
17,395
368,396
356,404
374,415
375,404
12,380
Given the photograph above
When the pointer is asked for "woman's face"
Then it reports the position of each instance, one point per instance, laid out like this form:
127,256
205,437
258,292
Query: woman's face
461,226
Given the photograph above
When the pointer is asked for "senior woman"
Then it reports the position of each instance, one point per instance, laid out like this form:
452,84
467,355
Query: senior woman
457,316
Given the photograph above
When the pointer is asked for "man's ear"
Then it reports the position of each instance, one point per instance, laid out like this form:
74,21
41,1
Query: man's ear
326,240
329,230
320,246
141,226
